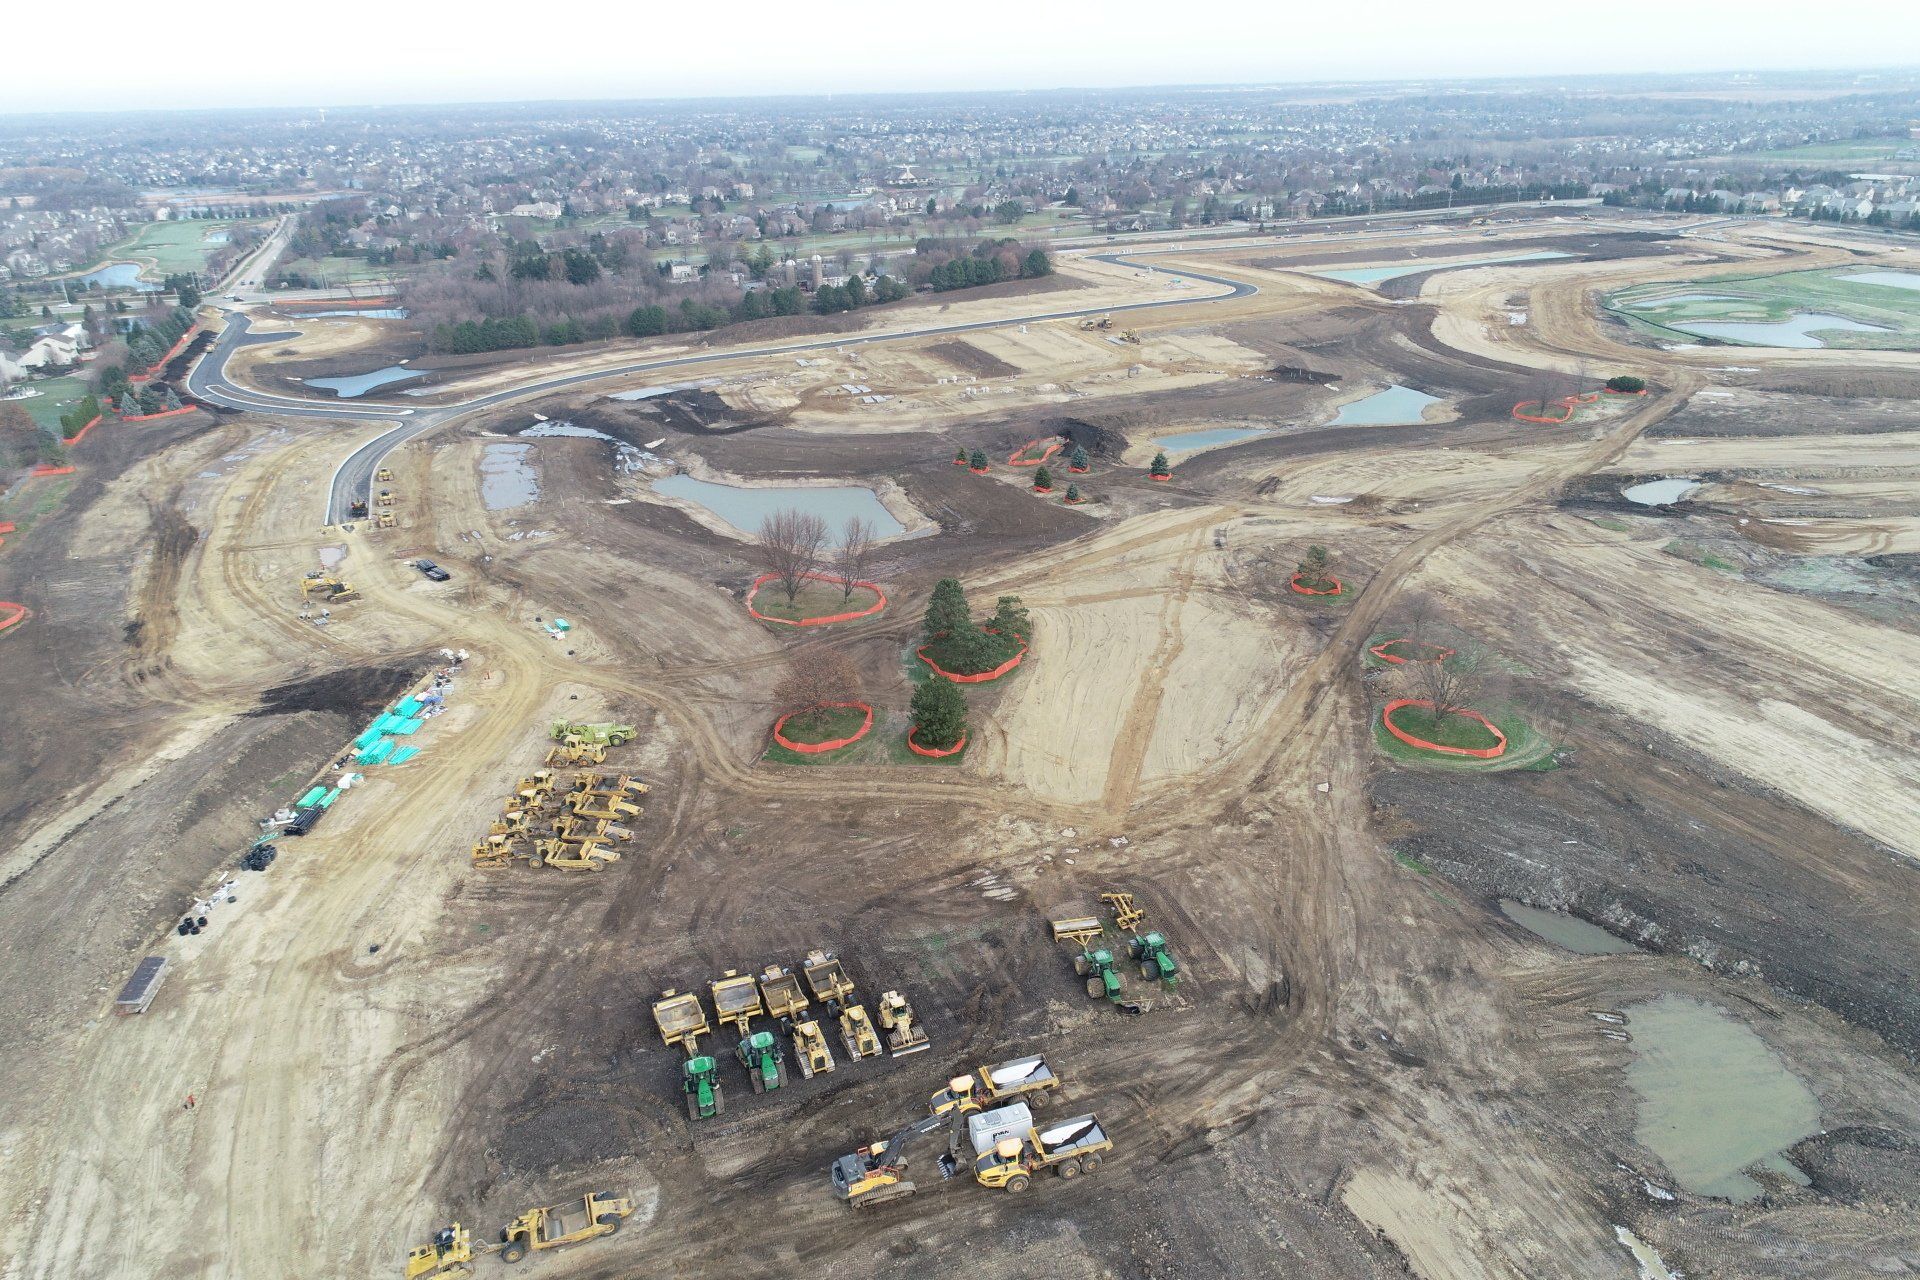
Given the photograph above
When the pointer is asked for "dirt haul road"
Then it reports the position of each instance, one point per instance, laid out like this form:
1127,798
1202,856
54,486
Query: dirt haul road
1363,1073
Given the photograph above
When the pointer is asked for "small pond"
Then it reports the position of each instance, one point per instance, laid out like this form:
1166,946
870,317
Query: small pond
1563,930
361,383
1188,441
1715,1100
1797,330
1658,493
744,507
507,477
1891,279
120,275
1379,275
1395,407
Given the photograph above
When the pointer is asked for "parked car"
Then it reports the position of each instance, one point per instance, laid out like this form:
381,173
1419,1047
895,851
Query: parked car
432,570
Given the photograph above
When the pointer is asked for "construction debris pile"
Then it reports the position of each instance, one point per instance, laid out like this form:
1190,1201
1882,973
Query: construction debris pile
777,994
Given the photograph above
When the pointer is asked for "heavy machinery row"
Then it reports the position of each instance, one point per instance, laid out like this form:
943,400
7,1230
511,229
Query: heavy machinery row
777,994
571,829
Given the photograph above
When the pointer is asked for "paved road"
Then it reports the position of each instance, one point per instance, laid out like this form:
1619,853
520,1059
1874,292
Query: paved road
353,480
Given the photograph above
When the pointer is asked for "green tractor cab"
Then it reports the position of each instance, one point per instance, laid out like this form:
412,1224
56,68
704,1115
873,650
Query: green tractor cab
700,1078
759,1053
1103,977
1155,960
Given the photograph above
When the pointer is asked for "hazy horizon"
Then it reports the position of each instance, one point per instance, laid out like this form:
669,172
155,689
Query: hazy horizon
276,60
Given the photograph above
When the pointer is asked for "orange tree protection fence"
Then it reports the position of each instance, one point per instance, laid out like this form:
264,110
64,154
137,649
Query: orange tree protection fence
11,613
164,413
163,361
980,677
832,744
1441,652
1478,753
880,602
1294,582
1015,459
933,753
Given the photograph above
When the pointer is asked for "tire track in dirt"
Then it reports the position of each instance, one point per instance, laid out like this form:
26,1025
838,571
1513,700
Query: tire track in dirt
1143,715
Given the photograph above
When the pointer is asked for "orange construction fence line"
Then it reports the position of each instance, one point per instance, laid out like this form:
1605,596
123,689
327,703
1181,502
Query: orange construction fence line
832,744
47,469
20,614
81,434
1380,651
1294,582
164,413
1478,753
765,578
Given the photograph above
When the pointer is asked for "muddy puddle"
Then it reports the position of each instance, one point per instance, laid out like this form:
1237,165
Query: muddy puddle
1715,1101
627,458
507,478
1563,930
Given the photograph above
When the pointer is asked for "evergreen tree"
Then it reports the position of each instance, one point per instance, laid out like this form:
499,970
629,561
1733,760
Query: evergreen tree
978,460
939,713
1043,479
1078,459
960,456
1010,618
947,610
1073,493
1160,467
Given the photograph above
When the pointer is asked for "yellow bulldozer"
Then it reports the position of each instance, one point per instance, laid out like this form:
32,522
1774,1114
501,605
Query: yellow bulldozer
577,751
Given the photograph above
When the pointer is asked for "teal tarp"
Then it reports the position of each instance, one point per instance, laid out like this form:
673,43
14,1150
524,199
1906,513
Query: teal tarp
312,797
407,707
368,736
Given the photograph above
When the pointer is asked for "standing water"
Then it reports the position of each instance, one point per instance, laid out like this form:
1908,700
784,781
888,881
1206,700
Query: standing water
744,508
361,383
1379,275
507,479
1397,406
1188,441
1658,493
1714,1099
1563,930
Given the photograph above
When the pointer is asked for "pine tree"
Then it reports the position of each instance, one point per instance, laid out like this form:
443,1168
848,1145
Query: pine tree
960,457
947,610
1078,459
1043,479
939,713
1073,493
978,460
1160,467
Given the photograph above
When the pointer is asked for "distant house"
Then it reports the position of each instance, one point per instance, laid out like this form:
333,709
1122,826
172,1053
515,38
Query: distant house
545,209
683,271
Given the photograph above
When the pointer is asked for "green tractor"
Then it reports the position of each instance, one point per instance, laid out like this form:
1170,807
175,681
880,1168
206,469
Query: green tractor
759,1053
603,733
701,1081
1097,967
1155,960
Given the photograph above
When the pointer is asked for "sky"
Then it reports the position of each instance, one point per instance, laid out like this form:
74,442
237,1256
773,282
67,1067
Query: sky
374,52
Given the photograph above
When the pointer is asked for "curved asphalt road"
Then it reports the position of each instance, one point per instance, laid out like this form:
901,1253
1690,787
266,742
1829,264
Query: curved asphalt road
353,481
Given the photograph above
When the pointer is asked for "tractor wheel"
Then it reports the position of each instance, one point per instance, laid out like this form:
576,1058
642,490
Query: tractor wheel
1095,988
1071,1169
1037,1100
1089,1164
759,1080
611,1221
719,1102
514,1252
1019,1182
693,1107
1080,965
1149,970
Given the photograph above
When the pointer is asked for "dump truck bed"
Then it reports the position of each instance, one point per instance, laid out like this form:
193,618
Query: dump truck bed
679,1015
734,997
828,979
1020,1073
783,994
1077,1136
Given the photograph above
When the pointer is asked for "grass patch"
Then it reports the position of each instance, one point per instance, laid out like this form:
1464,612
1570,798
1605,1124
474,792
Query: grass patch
1526,747
1772,299
1839,149
1448,731
813,600
1412,863
57,395
1694,553
824,724
33,500
1610,524
885,744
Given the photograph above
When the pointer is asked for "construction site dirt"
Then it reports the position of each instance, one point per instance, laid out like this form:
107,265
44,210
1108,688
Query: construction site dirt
1364,1069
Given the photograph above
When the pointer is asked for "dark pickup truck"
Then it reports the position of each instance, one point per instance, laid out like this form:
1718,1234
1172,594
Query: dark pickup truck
432,570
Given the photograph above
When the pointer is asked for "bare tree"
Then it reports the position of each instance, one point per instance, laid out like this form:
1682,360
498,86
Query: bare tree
854,554
1451,685
789,547
816,678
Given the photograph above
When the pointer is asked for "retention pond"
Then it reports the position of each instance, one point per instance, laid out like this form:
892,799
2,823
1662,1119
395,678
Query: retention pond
1563,930
1397,406
744,507
361,383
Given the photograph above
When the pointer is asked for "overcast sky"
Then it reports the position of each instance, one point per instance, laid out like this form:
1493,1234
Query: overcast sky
354,52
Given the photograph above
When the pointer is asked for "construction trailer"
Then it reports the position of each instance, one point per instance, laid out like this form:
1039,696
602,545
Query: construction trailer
140,989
